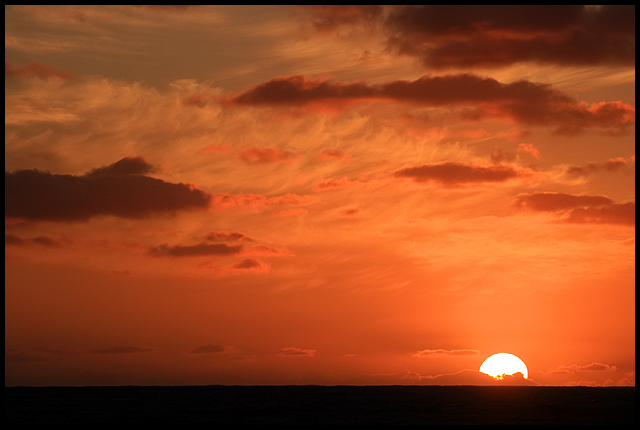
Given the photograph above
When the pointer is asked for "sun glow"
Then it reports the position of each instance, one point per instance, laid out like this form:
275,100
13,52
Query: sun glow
502,364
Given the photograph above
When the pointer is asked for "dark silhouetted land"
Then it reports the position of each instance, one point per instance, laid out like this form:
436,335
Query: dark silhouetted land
320,405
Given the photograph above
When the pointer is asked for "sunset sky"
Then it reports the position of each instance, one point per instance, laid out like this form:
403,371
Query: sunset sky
319,195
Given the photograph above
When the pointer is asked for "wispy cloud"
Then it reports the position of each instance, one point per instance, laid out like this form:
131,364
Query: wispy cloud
446,352
35,70
296,352
198,250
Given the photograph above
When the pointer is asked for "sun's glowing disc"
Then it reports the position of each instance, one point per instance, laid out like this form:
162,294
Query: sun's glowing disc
502,364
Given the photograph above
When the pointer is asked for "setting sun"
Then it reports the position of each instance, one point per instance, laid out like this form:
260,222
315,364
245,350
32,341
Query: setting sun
502,364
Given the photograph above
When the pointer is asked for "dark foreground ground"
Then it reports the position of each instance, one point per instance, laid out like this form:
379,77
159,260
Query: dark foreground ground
320,405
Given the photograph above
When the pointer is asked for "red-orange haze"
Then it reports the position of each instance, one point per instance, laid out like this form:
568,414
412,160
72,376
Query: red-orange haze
319,195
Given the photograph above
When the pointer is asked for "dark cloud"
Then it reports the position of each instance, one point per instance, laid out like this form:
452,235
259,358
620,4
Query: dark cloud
462,377
35,70
618,213
593,167
350,211
492,36
247,263
296,352
450,173
326,18
523,101
578,209
333,154
13,240
201,249
552,202
120,189
225,236
485,36
46,241
122,350
126,166
10,239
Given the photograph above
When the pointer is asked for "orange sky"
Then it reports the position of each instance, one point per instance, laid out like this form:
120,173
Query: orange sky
318,195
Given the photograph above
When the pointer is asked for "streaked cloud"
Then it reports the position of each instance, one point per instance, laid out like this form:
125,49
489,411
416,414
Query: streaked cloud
296,352
199,250
35,70
446,352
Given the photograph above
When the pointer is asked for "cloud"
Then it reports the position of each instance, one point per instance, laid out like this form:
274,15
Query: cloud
126,166
46,241
13,240
296,352
593,367
474,377
427,90
613,165
264,156
248,263
578,209
328,18
35,70
482,36
333,154
529,149
462,377
350,211
244,266
122,350
441,352
333,184
453,173
523,101
225,236
199,250
120,189
551,202
618,213
499,156
209,348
